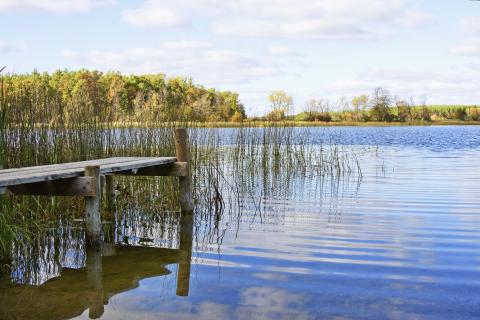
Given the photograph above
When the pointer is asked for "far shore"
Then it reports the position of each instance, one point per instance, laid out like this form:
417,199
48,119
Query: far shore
260,124
247,123
292,123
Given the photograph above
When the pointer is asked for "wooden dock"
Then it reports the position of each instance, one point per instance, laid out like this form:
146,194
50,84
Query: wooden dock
85,179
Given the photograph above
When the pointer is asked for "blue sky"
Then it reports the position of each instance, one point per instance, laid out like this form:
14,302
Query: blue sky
324,49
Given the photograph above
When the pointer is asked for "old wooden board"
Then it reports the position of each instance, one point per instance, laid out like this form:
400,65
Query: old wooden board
79,186
28,175
69,165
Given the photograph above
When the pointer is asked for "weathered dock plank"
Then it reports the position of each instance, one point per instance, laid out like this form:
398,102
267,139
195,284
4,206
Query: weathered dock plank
80,186
69,165
136,164
175,169
77,169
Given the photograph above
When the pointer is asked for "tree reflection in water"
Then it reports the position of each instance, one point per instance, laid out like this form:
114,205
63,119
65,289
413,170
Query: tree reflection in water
66,278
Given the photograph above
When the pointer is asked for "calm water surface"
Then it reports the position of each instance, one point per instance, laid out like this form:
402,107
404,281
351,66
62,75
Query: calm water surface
400,242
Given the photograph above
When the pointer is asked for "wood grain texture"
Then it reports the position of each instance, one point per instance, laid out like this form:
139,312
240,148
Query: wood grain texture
176,169
92,209
185,183
68,165
80,186
72,170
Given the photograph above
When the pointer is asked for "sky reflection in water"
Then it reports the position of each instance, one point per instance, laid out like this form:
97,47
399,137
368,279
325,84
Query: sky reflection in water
400,242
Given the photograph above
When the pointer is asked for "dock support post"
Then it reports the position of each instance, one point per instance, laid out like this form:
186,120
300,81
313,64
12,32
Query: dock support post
182,154
92,209
110,192
95,282
186,242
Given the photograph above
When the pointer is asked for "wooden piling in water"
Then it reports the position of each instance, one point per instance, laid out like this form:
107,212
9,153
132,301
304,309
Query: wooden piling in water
185,182
95,281
92,208
186,242
110,193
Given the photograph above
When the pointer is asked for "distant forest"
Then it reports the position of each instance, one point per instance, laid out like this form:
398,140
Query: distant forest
76,97
71,96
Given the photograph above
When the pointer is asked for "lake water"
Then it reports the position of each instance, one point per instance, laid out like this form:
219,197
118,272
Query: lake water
399,241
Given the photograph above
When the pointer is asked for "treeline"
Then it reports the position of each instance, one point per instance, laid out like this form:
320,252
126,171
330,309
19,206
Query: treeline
379,106
407,112
74,96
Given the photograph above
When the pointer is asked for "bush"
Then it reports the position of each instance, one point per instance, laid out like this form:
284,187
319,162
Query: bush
276,115
426,116
304,116
313,116
473,113
237,117
324,116
460,114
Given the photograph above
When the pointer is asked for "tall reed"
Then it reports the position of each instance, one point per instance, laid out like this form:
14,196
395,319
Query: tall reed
232,169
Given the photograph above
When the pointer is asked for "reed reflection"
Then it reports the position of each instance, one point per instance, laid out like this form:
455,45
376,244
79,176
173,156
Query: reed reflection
100,274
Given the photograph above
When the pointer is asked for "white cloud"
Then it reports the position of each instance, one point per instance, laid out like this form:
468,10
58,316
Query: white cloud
152,14
444,87
470,25
200,60
468,47
469,28
52,5
186,45
280,50
413,18
320,19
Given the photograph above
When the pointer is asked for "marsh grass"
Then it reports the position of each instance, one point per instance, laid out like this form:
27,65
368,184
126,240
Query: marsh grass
232,170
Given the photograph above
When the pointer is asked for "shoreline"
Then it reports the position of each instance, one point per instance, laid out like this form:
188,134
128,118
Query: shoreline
254,124
259,124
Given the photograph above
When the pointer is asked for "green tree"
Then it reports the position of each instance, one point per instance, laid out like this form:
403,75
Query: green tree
404,110
280,103
380,105
360,104
69,97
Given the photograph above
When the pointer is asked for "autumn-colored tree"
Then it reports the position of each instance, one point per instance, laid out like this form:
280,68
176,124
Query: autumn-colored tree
404,109
76,96
359,104
280,105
